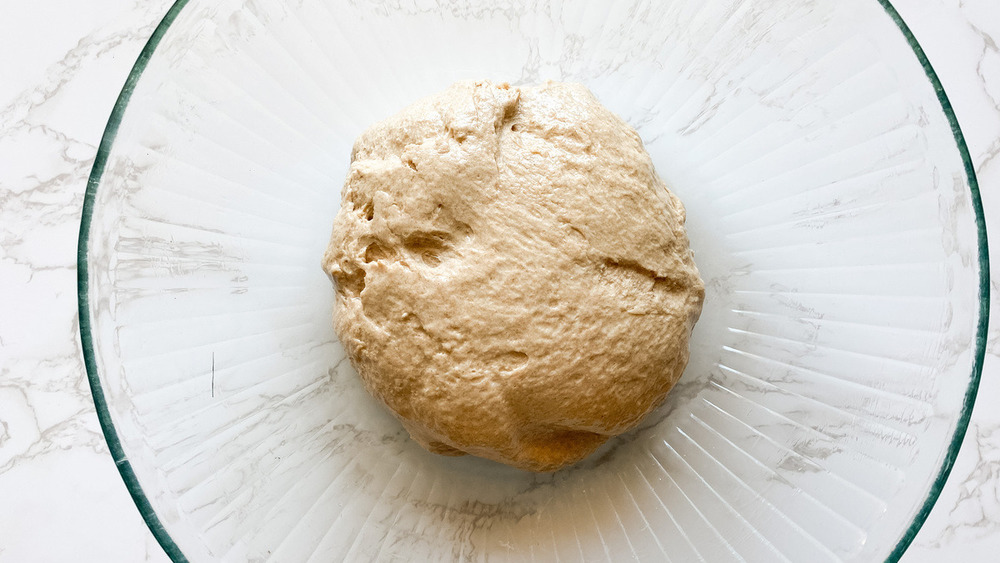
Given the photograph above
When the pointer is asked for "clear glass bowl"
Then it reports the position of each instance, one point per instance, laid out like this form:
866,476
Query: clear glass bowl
831,204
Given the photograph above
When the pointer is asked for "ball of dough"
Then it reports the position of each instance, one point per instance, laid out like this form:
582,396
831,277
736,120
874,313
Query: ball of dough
513,278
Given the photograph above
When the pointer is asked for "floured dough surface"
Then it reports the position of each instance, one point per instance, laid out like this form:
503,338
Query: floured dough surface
513,278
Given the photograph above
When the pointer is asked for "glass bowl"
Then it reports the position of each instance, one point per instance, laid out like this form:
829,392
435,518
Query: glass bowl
831,204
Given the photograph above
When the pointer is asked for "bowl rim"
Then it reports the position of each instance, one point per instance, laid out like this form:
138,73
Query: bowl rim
121,459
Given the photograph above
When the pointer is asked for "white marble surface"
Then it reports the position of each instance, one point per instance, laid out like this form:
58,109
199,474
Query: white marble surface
61,66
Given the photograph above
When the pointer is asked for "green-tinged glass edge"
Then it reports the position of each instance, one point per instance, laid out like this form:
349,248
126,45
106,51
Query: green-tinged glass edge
969,401
82,273
128,474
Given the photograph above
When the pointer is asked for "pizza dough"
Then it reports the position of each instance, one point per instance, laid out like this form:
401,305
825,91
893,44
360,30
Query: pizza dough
513,278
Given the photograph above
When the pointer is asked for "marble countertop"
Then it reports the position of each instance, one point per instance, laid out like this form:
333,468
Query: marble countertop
61,67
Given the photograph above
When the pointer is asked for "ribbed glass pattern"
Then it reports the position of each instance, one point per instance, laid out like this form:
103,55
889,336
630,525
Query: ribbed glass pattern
828,204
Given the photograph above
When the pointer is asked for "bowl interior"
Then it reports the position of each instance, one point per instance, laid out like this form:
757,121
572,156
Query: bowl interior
830,205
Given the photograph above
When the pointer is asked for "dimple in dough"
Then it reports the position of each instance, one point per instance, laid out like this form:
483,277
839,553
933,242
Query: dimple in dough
513,279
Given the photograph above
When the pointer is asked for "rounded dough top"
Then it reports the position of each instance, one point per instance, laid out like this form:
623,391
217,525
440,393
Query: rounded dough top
513,278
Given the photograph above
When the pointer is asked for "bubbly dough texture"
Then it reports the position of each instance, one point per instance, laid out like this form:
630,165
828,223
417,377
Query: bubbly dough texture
513,278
